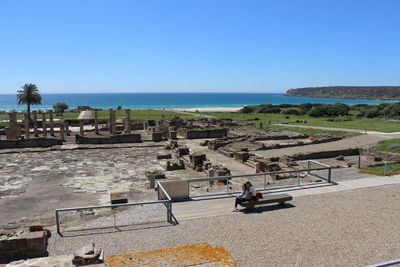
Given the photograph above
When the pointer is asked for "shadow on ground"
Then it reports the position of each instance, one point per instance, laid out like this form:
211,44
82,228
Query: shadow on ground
268,208
114,229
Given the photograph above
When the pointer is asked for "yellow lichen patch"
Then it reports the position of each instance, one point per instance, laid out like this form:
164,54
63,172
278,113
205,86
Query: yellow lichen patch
190,255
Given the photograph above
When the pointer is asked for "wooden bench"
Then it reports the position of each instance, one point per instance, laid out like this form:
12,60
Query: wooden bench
275,198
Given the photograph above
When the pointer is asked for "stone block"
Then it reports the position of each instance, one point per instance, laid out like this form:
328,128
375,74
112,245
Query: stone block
171,166
165,156
156,136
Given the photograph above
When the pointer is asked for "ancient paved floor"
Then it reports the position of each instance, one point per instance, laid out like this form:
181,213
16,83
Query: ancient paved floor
36,183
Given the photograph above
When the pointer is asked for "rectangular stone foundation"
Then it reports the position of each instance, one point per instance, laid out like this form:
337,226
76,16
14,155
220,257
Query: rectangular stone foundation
123,138
26,143
23,245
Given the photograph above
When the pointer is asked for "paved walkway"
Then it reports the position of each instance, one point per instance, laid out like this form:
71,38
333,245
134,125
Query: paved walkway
193,114
375,133
222,205
85,115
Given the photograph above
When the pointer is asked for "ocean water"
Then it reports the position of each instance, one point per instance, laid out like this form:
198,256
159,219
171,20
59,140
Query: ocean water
170,100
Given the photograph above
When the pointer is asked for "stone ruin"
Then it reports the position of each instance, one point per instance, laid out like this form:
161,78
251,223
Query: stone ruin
87,255
24,243
18,137
117,139
192,129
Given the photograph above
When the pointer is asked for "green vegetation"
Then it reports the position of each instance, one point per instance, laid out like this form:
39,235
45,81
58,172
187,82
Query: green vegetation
392,169
345,122
391,145
29,95
60,107
383,110
351,92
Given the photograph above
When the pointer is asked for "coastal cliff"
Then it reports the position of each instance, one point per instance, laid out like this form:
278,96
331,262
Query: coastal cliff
348,92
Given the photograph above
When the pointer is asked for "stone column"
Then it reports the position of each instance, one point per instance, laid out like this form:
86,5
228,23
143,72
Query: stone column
27,120
62,135
113,125
110,120
81,130
128,121
14,130
35,125
44,126
51,123
67,129
96,121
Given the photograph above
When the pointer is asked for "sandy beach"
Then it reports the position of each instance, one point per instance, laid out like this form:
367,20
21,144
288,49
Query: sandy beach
210,109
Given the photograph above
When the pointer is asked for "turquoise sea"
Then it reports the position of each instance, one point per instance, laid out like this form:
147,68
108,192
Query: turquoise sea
170,100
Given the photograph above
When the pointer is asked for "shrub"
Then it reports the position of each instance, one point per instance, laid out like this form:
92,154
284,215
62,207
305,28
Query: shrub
246,109
292,111
60,107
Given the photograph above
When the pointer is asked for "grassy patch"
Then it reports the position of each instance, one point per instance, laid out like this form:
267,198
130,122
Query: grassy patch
391,145
392,169
345,122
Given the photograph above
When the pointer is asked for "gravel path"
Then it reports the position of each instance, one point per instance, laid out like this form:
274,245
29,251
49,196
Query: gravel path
84,115
353,142
349,228
391,134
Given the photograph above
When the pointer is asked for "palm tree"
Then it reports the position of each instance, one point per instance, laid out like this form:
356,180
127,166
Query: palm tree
29,95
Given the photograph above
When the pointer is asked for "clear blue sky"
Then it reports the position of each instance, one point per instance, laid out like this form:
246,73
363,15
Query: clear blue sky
197,45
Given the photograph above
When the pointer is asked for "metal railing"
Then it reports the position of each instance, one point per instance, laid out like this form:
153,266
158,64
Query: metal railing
167,202
309,164
386,263
264,174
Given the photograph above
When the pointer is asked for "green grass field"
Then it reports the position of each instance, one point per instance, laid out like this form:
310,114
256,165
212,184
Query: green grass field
346,122
392,169
391,145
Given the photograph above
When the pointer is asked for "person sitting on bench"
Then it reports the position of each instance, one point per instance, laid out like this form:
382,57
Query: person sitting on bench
248,193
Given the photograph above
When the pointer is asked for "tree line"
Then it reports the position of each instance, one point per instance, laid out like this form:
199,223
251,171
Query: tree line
387,110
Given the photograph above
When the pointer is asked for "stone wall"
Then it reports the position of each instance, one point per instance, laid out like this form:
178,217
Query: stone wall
23,244
386,156
25,143
206,133
325,154
117,139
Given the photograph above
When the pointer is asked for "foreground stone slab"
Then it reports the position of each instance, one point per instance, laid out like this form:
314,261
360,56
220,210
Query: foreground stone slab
190,255
23,243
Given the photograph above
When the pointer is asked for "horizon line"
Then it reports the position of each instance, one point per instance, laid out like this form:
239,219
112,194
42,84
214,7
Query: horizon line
54,93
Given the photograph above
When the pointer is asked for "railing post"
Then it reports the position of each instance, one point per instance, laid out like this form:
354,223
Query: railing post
227,185
385,170
298,178
58,223
265,181
308,167
329,175
168,211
